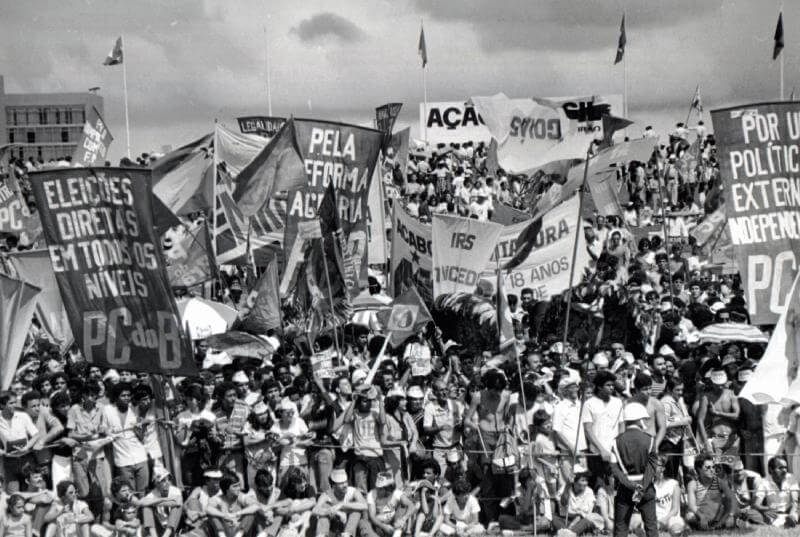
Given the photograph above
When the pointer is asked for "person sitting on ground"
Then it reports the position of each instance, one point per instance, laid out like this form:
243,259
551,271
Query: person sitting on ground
746,484
266,496
668,504
68,515
383,504
709,499
533,492
461,511
577,505
340,509
302,498
780,492
16,522
196,504
228,513
162,519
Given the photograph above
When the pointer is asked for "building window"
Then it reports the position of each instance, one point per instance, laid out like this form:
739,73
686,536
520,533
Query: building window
43,116
31,137
64,135
58,116
68,116
11,136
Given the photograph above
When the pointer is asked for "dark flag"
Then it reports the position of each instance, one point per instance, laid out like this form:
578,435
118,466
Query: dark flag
278,167
327,267
776,51
183,178
621,43
407,317
422,48
263,303
612,124
115,56
525,243
111,274
385,117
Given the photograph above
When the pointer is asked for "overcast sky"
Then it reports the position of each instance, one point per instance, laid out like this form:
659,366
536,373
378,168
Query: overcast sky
190,61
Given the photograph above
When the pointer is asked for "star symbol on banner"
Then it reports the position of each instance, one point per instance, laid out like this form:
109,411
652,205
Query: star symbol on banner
414,258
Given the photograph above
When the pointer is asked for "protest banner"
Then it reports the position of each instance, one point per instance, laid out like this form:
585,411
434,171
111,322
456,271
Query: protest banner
461,249
758,147
325,364
546,269
534,131
190,260
17,306
100,234
347,155
14,214
95,139
452,121
377,249
261,125
34,267
412,262
386,115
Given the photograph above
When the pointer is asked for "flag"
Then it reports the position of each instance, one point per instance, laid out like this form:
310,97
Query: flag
407,316
115,56
621,43
776,51
423,50
183,178
278,167
324,292
34,267
505,324
17,305
235,149
190,259
612,124
525,243
263,306
697,103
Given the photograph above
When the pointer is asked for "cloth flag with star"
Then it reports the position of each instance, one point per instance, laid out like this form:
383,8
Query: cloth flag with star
115,56
422,48
407,316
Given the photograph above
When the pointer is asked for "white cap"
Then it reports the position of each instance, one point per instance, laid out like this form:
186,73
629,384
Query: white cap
339,475
287,404
557,348
635,412
415,392
240,377
666,350
111,374
600,359
745,374
719,377
358,376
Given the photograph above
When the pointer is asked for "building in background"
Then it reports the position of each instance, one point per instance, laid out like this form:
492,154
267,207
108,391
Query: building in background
44,125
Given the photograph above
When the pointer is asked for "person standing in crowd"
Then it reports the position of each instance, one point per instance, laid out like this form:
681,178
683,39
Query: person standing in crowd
602,419
635,472
119,420
18,434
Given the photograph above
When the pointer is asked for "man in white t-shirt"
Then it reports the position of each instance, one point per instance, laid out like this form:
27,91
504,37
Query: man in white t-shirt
602,417
383,506
119,420
19,433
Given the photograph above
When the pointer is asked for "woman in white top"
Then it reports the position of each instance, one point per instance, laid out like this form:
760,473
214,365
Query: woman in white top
461,511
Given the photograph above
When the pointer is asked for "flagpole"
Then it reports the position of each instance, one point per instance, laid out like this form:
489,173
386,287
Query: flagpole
215,192
330,294
691,105
783,54
269,85
578,231
125,93
424,92
625,74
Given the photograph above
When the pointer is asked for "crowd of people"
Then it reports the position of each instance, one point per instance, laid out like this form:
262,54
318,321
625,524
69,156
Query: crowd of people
629,423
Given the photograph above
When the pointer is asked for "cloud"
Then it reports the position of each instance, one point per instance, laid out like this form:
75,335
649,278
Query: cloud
328,24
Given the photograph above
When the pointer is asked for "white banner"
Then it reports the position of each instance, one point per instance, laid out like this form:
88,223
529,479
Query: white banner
376,221
534,131
546,270
411,254
461,249
453,121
